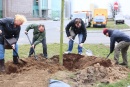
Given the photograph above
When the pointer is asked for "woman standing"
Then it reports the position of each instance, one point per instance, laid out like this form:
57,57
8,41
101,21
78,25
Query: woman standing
10,28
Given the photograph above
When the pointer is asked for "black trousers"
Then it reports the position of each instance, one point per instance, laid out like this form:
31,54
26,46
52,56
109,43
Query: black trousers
44,46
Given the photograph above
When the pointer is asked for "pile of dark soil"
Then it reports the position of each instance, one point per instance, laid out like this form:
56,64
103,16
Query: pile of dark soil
78,70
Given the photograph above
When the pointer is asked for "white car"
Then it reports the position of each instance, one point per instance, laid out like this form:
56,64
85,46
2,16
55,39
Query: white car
119,19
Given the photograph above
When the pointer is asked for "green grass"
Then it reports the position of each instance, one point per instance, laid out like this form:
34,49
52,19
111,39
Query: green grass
112,25
98,50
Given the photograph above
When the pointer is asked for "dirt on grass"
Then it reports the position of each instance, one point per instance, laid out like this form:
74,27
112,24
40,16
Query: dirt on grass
77,71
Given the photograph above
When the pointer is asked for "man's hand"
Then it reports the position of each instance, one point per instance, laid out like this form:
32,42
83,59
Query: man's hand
70,37
81,44
26,32
32,46
13,46
0,32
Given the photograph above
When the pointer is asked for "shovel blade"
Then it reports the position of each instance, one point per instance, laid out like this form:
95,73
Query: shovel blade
89,53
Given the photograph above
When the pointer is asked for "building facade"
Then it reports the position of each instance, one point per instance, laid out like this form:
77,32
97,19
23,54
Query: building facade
1,9
33,8
13,7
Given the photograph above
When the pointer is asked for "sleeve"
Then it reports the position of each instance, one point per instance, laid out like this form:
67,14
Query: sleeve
3,21
68,27
84,32
31,26
39,40
17,33
112,44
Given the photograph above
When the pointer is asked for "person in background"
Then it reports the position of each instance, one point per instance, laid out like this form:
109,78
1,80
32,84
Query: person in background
39,36
123,41
74,28
10,28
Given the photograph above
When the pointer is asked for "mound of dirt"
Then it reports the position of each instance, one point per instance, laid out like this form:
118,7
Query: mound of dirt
78,70
31,63
76,61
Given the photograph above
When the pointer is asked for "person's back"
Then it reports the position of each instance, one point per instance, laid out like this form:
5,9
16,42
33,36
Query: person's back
119,36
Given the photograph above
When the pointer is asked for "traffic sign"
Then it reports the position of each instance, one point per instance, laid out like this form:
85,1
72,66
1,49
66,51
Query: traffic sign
115,6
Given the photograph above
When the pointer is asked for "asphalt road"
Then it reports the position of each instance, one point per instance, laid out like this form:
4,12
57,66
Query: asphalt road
53,33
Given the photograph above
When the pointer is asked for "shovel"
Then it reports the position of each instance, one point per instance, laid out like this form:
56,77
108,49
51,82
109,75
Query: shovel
33,48
88,52
14,50
108,55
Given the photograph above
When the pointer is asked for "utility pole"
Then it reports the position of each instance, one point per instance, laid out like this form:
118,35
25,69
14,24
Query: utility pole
61,32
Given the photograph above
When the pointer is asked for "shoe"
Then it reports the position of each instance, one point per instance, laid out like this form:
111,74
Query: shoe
116,63
15,60
80,53
67,52
2,66
29,55
45,56
122,64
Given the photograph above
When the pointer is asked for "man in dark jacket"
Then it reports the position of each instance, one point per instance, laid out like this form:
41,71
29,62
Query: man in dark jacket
123,41
76,27
10,28
39,36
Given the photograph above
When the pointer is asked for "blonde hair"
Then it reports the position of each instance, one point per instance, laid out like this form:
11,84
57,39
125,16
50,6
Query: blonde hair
21,18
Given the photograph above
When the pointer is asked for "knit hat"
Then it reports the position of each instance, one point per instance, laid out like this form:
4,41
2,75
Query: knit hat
105,30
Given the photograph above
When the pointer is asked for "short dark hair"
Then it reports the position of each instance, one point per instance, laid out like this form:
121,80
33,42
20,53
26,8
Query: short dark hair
41,25
77,21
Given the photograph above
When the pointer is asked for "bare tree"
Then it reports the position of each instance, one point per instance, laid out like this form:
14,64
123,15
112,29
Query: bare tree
113,11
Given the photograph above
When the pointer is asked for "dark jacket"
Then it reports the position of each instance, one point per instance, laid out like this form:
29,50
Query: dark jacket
81,30
117,36
37,35
8,29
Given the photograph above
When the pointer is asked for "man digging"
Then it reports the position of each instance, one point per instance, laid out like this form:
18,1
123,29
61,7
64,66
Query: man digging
39,36
123,41
74,28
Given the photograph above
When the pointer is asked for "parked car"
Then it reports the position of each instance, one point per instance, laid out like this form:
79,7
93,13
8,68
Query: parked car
56,19
99,21
119,19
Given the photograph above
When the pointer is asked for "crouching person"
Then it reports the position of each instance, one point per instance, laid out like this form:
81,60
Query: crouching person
123,43
39,36
10,29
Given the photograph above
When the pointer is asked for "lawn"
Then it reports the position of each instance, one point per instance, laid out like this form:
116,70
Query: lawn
112,25
98,50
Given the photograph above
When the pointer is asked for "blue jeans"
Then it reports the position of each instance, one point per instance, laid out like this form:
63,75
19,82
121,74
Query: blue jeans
80,36
2,51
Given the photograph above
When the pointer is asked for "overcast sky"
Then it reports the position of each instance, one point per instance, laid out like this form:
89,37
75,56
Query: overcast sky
85,5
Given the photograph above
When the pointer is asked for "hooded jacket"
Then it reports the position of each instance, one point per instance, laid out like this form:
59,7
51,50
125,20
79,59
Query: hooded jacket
117,36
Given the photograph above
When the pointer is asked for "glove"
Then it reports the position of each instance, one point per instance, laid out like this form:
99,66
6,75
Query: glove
81,44
0,32
70,37
26,32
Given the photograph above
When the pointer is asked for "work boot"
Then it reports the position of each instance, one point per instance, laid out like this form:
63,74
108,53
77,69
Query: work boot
29,55
15,60
116,63
124,64
2,66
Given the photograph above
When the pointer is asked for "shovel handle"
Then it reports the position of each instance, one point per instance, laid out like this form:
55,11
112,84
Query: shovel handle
31,44
108,55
